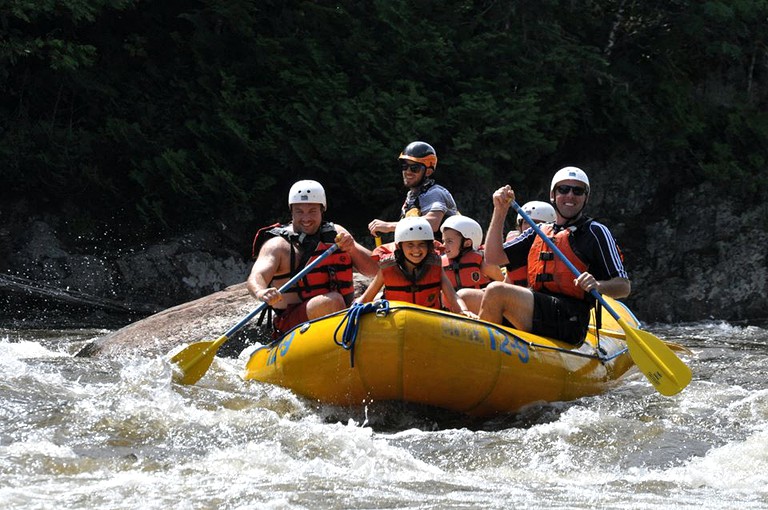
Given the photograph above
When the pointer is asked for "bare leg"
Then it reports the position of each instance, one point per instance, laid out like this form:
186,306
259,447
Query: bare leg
505,301
472,297
319,306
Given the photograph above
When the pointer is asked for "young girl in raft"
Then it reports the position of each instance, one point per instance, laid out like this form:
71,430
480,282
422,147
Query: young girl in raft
414,273
463,261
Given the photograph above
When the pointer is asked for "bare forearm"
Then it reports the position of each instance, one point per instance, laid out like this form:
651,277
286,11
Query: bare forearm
381,227
361,259
492,271
615,287
434,218
373,288
256,283
494,251
451,297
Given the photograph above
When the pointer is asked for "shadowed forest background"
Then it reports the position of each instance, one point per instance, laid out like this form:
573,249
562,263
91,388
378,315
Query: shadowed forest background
141,120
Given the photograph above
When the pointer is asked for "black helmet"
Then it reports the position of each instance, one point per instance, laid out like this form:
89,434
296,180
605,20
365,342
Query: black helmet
420,152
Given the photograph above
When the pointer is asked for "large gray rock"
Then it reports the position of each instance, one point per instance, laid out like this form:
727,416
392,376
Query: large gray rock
206,318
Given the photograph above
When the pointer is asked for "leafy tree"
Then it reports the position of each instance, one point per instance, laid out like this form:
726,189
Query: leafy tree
165,115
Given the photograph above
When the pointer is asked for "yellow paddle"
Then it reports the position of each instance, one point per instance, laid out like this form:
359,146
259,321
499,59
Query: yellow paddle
668,374
193,361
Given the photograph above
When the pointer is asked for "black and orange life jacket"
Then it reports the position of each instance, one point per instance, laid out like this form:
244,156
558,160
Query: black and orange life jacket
465,271
547,272
334,273
422,287
517,276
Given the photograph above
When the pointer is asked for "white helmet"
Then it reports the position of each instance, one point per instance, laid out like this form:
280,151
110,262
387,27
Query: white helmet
307,192
466,226
413,228
569,173
539,212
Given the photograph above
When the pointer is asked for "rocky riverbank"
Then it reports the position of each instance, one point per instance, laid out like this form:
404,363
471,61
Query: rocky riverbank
44,281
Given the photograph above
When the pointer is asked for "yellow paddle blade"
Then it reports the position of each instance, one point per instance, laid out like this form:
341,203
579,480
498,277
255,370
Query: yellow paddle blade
678,347
193,361
668,374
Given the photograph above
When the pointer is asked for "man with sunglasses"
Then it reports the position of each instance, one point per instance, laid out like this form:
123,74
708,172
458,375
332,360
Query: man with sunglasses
554,304
425,198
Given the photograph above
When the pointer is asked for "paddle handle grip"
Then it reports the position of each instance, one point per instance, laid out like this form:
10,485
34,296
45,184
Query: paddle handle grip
287,285
562,257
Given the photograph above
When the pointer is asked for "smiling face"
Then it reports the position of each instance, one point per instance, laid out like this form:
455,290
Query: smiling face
569,205
453,242
306,218
413,173
415,251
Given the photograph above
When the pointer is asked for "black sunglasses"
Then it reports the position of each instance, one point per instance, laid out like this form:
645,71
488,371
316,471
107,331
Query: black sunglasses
563,189
412,167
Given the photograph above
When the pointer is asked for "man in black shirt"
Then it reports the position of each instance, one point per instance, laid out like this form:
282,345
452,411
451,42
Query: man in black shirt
555,304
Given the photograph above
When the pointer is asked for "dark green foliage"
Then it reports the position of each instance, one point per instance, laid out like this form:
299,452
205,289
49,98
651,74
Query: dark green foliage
183,112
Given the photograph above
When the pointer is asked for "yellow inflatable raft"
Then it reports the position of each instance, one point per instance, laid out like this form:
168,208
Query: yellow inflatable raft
399,351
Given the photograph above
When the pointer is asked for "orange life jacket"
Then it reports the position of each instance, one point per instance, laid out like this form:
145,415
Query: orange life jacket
465,271
421,288
546,272
333,274
517,276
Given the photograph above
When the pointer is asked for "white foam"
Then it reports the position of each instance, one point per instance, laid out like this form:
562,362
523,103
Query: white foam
26,349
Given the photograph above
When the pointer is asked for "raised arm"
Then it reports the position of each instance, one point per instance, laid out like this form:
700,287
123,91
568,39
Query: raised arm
494,251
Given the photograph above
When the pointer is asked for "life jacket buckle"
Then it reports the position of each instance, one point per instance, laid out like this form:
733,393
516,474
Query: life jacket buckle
333,281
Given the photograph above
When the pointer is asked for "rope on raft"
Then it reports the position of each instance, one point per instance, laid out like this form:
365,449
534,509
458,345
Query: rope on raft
351,323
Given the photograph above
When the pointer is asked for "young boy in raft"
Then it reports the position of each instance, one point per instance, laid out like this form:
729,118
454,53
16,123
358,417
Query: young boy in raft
539,212
463,261
414,273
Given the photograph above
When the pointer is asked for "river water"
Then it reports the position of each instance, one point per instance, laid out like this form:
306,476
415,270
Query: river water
118,434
